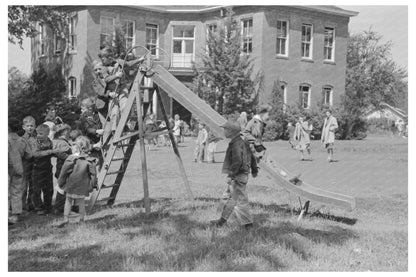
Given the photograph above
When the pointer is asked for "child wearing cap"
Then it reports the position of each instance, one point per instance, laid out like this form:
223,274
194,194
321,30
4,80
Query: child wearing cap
238,163
254,130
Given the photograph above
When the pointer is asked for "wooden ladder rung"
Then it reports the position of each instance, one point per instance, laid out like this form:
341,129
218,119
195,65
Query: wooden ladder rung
120,159
115,172
126,144
109,186
105,199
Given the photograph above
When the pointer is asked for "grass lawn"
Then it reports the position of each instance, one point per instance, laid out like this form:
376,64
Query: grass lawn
176,235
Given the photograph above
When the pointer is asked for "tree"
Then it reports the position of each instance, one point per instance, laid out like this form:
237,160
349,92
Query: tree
23,20
38,93
17,81
372,78
225,79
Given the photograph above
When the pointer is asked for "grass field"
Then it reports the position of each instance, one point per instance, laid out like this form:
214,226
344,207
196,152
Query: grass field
176,235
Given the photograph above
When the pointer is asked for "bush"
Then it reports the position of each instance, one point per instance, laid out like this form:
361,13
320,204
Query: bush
274,131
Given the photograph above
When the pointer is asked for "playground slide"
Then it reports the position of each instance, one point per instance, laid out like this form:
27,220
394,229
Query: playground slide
175,89
281,177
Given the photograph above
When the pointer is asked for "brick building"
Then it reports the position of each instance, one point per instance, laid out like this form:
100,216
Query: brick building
304,47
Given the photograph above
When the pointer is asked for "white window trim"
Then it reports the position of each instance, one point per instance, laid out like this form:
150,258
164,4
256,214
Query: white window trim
56,40
71,87
207,35
243,38
183,38
42,40
114,29
287,39
157,37
309,96
284,96
311,42
71,35
134,32
331,93
333,46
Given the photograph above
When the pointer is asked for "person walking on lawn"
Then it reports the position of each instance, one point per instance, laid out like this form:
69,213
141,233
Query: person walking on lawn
328,134
302,137
238,163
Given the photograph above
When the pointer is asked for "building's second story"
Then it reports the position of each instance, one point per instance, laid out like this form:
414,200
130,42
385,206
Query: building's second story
282,40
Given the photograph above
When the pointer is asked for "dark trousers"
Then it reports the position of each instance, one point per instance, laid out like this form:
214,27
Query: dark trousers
60,202
27,192
42,184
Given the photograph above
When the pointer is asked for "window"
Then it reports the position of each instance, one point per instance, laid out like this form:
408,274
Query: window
107,31
247,35
306,41
327,95
283,87
72,87
183,46
305,96
42,42
128,30
72,39
152,39
329,44
57,44
282,38
211,28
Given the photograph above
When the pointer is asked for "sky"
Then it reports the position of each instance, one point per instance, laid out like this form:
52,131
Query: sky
389,21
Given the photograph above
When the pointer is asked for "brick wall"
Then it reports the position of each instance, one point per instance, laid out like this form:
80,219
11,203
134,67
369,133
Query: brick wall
292,70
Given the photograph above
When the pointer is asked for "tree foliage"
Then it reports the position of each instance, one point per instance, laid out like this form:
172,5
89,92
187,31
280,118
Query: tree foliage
38,93
226,79
372,76
23,19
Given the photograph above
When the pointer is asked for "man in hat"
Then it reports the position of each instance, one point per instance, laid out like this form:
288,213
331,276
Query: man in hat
254,130
238,163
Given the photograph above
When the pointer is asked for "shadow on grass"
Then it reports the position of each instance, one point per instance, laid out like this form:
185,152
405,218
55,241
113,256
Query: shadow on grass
186,244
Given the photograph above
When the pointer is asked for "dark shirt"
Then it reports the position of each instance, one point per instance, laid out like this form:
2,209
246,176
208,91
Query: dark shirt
90,123
239,158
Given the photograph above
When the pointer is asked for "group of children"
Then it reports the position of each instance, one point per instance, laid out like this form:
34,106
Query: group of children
31,172
205,144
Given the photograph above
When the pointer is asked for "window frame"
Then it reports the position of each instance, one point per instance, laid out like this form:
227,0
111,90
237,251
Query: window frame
72,36
101,28
207,32
133,38
285,38
42,40
57,45
332,48
157,37
309,43
301,91
248,38
183,44
283,86
329,89
72,87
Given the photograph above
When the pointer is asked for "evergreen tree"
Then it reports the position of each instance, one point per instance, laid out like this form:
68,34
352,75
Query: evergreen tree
225,79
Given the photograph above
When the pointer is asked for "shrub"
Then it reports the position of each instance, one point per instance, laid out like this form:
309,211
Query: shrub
273,131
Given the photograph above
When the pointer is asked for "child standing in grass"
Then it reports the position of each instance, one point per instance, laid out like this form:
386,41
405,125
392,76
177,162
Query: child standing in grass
200,143
42,171
61,142
78,177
